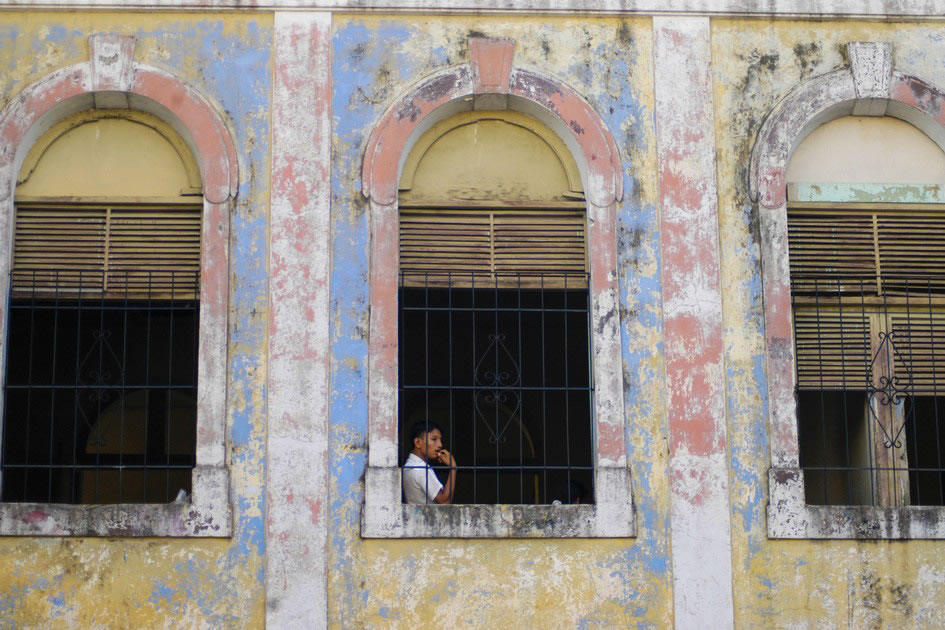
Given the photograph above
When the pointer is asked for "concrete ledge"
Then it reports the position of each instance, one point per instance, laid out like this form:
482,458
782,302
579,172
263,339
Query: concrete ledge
790,517
208,515
612,517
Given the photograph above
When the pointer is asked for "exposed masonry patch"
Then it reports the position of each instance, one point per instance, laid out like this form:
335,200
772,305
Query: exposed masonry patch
870,85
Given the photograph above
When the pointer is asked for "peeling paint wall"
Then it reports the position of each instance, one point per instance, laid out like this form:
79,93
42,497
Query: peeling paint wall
540,583
685,215
125,582
857,584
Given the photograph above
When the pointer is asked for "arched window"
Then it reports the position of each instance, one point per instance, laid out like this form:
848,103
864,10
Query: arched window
485,142
866,238
100,387
117,194
494,308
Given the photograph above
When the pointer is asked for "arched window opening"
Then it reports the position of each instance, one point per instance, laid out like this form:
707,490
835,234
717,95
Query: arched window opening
494,308
866,240
100,386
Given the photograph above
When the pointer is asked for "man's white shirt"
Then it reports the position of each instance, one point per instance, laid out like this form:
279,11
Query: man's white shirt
420,482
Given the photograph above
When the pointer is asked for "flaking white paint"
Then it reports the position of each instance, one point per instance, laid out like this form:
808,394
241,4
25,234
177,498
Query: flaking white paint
297,439
699,507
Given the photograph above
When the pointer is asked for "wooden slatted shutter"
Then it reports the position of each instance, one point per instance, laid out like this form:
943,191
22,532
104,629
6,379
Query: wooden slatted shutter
110,251
833,349
919,340
867,268
493,247
911,251
891,251
831,252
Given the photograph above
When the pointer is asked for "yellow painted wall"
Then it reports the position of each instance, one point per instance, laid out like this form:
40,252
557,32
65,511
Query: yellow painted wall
506,583
780,583
126,582
483,155
134,156
166,583
867,150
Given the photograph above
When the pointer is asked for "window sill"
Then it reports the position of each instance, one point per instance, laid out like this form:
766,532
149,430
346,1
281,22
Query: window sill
207,515
790,517
613,516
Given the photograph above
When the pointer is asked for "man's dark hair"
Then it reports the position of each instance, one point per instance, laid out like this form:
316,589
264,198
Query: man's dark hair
422,427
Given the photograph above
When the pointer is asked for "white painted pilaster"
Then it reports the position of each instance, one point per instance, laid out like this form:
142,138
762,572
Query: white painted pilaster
299,267
700,523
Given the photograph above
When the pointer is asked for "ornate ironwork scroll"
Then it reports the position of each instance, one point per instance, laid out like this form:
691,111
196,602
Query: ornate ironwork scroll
892,390
497,392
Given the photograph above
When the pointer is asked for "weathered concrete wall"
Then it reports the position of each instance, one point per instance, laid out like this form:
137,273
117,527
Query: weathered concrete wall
85,582
797,583
539,583
610,62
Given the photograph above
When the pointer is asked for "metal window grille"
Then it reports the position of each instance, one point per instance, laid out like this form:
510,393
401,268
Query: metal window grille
868,293
100,386
100,395
502,362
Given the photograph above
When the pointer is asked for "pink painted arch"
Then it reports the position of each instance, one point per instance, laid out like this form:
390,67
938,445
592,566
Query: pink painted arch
70,90
825,98
454,90
809,105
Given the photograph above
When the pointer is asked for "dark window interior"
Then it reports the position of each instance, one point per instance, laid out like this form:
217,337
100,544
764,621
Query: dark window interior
834,438
100,400
506,373
925,441
836,435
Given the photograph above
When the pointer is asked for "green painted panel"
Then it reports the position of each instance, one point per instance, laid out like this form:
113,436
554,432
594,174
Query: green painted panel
867,193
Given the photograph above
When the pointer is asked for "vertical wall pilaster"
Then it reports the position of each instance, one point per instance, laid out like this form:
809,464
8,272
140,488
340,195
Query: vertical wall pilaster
692,303
299,267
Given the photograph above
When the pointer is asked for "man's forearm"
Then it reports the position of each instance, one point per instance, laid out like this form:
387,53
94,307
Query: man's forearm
445,494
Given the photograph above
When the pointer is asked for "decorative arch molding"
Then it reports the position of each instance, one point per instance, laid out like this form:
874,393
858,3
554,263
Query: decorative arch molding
427,140
462,88
111,79
491,82
869,86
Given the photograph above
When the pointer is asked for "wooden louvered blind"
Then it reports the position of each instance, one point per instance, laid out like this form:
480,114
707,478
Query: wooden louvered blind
919,355
833,349
877,251
111,251
857,275
489,247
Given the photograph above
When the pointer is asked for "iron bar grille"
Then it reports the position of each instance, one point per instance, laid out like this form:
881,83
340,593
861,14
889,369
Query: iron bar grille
100,393
868,294
502,363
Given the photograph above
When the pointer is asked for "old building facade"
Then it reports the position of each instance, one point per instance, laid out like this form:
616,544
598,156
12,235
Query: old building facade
720,217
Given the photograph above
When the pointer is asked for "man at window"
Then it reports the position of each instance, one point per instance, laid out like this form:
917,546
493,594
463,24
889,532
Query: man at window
421,485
